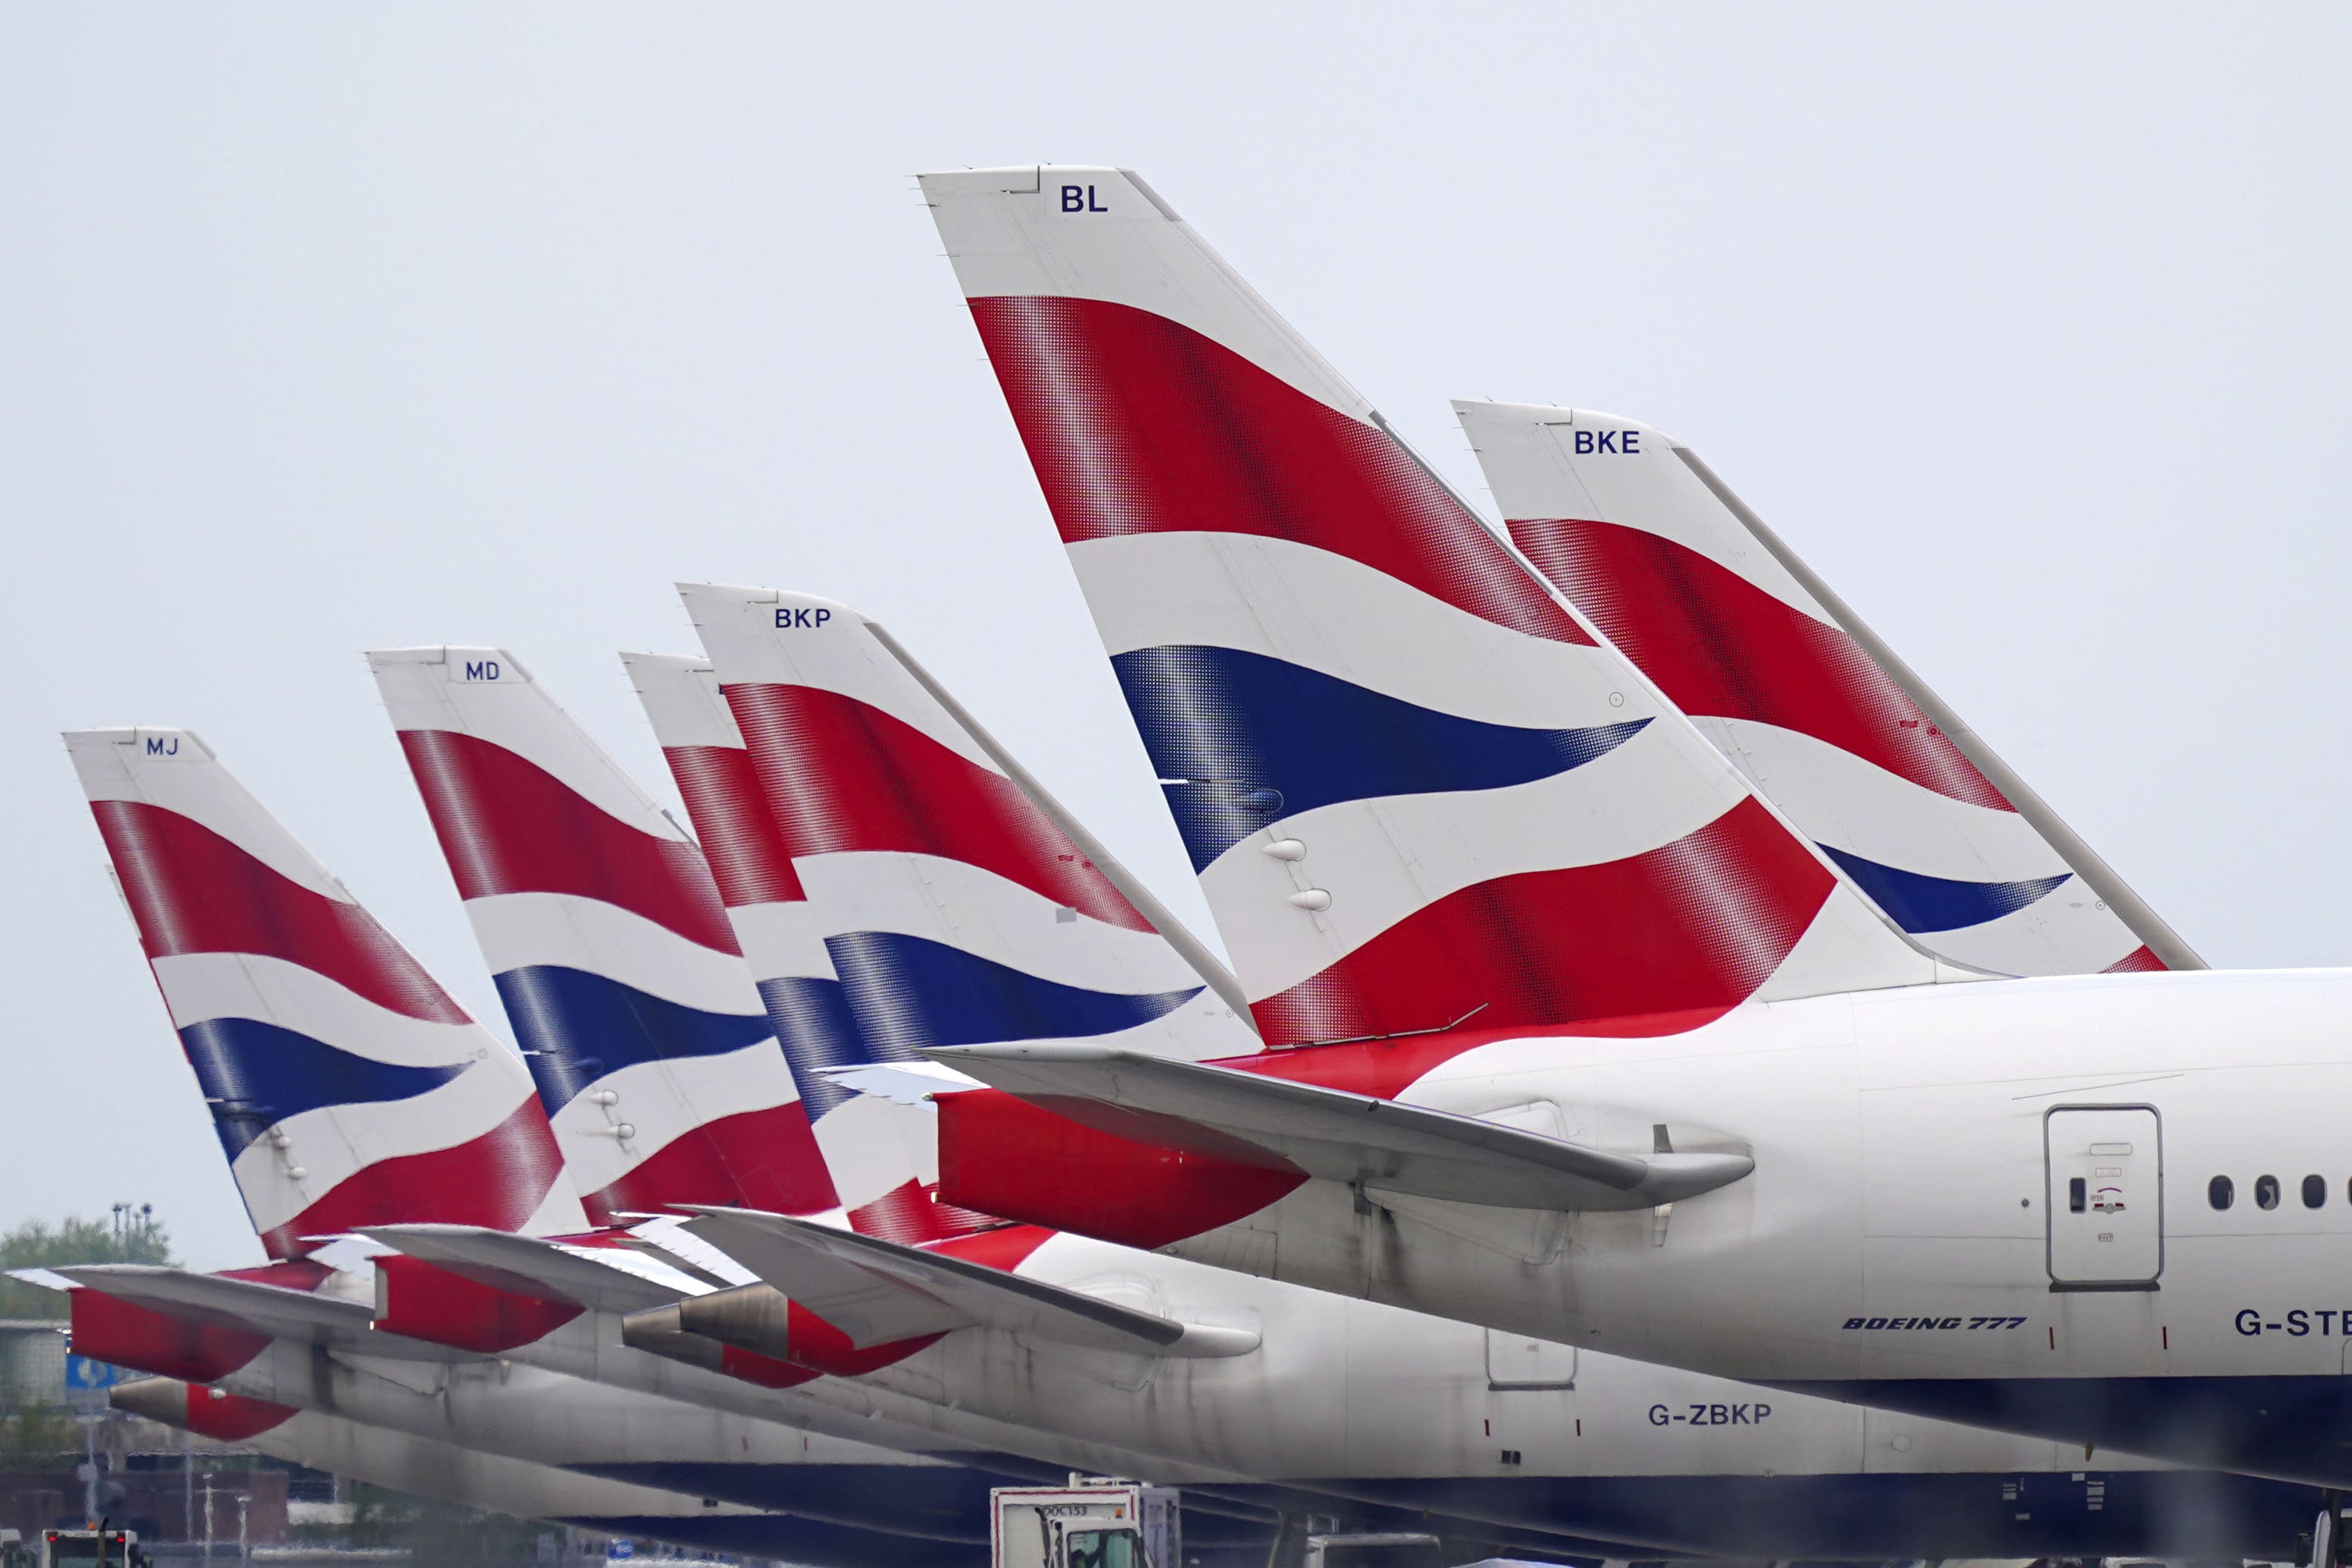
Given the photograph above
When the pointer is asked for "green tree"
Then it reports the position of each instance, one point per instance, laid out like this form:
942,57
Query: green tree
38,1436
134,1237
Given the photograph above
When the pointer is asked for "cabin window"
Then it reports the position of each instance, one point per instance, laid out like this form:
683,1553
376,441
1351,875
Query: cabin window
2266,1192
2314,1192
2220,1192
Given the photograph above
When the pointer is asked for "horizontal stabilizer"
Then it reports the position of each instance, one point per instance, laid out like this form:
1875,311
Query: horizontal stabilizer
1380,1145
876,1292
900,1083
43,1279
247,1304
602,1280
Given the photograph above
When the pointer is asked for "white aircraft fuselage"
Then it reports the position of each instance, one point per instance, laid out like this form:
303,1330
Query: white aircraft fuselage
1911,1236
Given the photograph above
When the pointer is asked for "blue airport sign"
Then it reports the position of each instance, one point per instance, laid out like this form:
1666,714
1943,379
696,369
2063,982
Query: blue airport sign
82,1373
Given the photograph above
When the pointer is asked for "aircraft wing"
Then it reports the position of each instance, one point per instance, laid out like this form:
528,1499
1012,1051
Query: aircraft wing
254,1308
1379,1145
528,1266
876,1290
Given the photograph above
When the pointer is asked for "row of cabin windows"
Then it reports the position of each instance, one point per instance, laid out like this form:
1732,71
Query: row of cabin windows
2221,1192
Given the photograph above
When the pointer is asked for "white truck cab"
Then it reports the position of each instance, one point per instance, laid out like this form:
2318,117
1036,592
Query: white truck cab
97,1547
1095,1522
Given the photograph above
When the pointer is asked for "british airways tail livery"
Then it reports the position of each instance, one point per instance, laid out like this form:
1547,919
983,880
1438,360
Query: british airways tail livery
864,776
1342,1411
881,1157
347,1087
1385,743
498,1311
654,1055
1839,734
956,907
1541,948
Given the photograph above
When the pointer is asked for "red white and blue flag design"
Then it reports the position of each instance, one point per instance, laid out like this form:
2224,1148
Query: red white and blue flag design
1419,790
877,1156
1615,519
654,1055
950,905
347,1087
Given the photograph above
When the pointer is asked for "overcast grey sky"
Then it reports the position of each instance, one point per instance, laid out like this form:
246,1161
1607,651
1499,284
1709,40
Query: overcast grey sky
324,327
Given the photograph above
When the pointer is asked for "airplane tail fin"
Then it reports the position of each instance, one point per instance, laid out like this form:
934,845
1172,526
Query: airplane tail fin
1836,730
597,915
347,1087
956,906
879,1157
1418,789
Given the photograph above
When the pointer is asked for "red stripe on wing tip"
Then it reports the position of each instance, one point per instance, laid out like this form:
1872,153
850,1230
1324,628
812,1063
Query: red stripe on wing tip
193,891
1137,425
498,1181
2138,961
842,775
1719,646
507,825
747,857
1697,924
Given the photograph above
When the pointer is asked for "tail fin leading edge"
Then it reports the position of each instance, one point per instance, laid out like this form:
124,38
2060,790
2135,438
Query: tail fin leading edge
952,904
1642,538
881,1157
1416,787
347,1087
597,914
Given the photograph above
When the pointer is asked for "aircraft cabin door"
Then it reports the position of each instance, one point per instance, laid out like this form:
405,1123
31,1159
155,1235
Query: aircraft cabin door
2106,1201
1515,1360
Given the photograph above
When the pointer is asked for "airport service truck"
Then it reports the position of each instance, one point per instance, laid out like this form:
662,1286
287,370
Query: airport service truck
97,1548
1093,1522
1097,1521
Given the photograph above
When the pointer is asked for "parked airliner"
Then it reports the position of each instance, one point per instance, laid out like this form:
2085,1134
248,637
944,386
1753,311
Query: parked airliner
1570,1032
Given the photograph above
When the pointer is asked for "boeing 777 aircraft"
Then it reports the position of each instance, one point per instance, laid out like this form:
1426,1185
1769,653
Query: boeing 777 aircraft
1521,942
